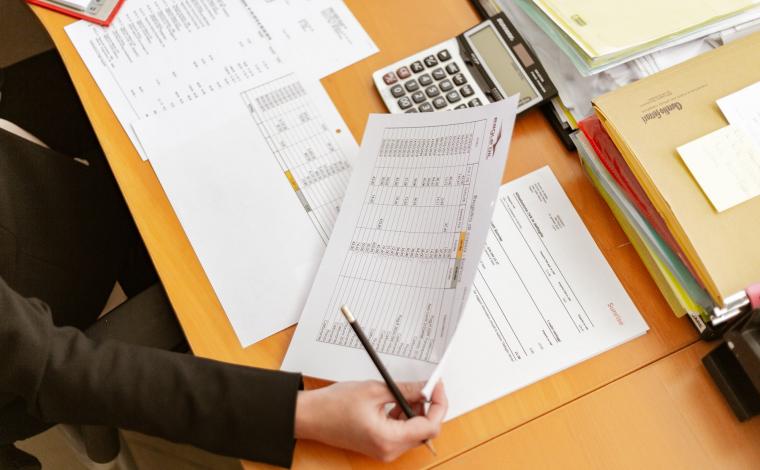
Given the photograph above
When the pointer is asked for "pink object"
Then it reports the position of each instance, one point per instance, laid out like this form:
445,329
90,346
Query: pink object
753,292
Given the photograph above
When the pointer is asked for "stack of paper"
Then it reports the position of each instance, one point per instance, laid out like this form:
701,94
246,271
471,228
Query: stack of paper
599,34
224,99
677,158
578,81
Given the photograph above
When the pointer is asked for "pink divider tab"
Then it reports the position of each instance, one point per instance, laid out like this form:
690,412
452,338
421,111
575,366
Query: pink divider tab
753,292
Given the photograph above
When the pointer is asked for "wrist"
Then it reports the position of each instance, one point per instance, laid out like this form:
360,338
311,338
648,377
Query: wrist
304,422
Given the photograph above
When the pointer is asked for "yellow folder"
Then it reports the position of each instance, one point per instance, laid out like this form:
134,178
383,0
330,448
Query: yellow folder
650,118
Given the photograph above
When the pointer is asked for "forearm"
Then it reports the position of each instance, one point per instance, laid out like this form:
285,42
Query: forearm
231,410
65,377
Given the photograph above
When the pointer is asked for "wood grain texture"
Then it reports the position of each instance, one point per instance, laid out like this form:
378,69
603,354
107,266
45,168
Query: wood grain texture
666,415
399,28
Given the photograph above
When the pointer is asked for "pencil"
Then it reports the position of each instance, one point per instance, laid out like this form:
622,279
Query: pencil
408,411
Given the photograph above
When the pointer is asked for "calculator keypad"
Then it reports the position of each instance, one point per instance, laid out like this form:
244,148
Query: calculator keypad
434,82
403,73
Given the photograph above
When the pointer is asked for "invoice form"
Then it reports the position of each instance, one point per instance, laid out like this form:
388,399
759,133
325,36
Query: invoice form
544,298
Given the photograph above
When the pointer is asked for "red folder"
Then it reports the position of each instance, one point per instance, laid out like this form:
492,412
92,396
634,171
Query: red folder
78,14
613,160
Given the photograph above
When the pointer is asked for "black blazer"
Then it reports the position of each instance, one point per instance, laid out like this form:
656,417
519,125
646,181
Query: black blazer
64,377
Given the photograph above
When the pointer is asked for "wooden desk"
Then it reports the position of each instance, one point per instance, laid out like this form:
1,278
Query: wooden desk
530,422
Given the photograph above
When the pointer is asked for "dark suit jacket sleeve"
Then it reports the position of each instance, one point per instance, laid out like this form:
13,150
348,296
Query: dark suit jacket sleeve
65,377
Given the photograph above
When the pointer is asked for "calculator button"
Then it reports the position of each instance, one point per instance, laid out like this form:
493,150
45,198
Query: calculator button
439,103
390,78
412,110
412,85
432,91
452,96
439,74
397,91
461,106
403,73
446,85
425,108
452,68
474,102
425,79
418,97
467,90
444,55
431,61
404,102
417,67
459,79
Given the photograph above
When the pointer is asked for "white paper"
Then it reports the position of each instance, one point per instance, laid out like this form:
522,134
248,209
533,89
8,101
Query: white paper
544,299
256,178
726,164
406,243
160,55
742,109
322,36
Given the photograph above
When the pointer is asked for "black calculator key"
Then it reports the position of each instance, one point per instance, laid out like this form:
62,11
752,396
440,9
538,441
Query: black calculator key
412,85
390,78
444,55
446,85
467,90
403,72
459,79
439,103
474,102
425,107
431,61
412,110
461,106
418,97
452,96
404,102
417,67
397,91
439,74
432,91
452,68
425,79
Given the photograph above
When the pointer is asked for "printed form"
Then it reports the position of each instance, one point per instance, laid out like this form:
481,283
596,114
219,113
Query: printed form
544,298
160,55
256,177
406,244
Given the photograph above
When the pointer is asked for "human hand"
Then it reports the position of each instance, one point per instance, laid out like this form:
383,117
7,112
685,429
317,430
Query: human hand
352,415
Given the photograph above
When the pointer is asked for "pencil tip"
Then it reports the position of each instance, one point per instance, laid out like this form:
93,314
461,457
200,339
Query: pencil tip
429,445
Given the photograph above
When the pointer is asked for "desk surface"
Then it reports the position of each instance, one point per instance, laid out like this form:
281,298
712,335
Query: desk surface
604,412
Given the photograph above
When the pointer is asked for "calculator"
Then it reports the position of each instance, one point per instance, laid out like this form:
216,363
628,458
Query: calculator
485,63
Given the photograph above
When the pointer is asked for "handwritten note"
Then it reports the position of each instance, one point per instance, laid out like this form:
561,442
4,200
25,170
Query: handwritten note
726,164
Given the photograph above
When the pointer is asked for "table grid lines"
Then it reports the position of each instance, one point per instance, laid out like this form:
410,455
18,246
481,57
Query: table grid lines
401,270
304,147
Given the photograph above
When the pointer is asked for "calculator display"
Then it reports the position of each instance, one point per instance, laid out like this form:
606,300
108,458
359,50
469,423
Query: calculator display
501,64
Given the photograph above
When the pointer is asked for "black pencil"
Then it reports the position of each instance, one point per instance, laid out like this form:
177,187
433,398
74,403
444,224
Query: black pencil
383,371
